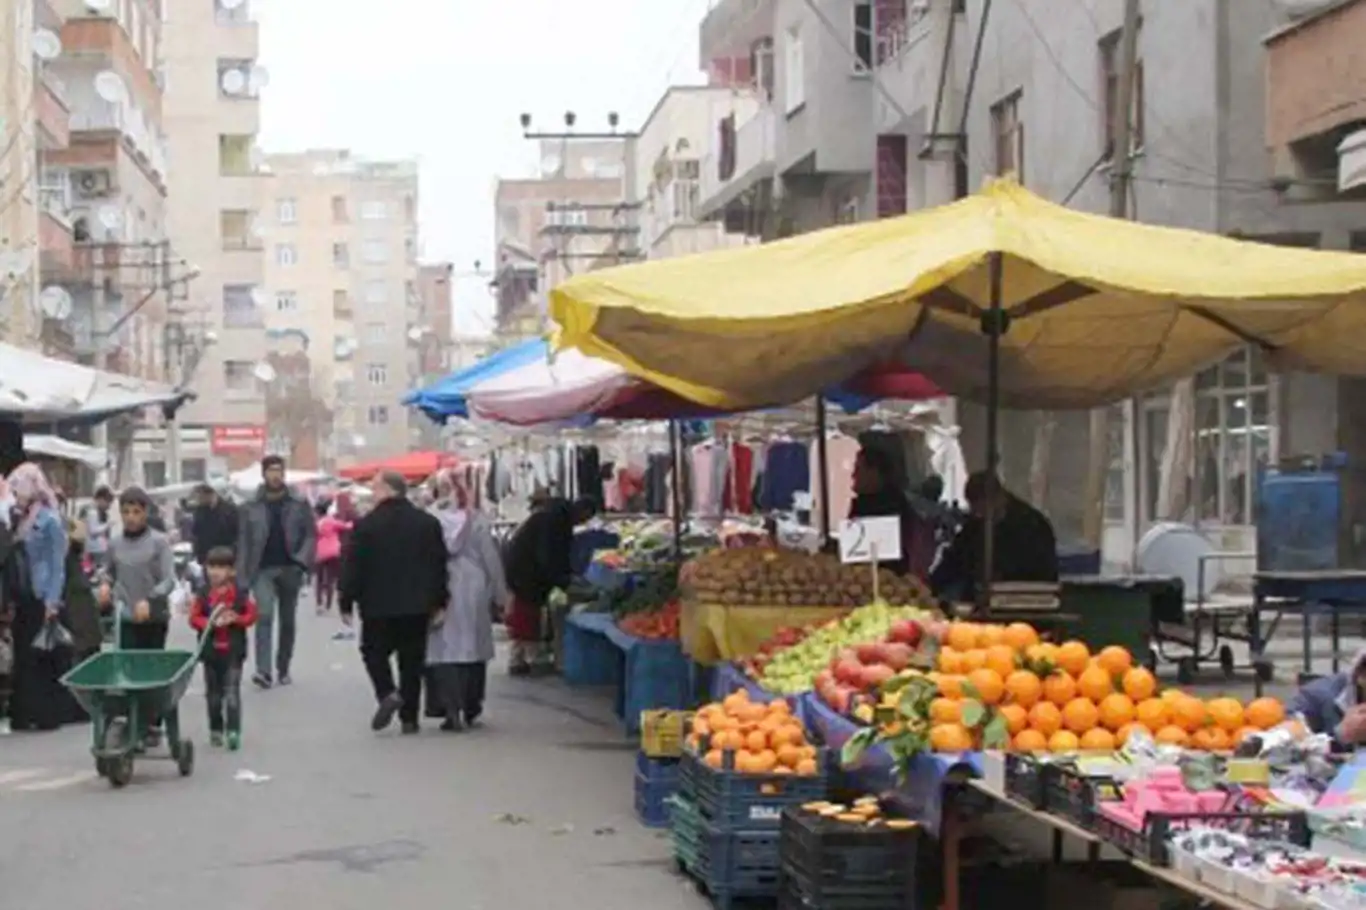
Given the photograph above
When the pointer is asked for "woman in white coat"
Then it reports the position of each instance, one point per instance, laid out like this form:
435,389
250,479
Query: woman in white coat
460,645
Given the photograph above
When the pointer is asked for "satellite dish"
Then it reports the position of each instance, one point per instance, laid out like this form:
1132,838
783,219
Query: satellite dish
230,4
211,337
1172,549
110,86
416,333
110,216
14,262
357,440
264,372
234,82
260,77
55,303
98,6
46,45
550,164
259,298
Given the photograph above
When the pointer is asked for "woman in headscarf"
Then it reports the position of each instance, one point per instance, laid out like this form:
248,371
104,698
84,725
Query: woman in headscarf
34,586
461,641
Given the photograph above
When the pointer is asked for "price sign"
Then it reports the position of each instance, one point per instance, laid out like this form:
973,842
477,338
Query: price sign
862,538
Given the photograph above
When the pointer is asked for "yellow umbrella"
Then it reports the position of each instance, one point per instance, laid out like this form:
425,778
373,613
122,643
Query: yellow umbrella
1098,308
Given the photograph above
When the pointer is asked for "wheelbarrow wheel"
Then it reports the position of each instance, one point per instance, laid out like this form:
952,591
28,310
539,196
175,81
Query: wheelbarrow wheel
118,769
184,760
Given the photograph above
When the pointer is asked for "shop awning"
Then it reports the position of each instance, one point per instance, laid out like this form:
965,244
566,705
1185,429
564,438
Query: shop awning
40,391
412,466
39,445
448,397
1100,308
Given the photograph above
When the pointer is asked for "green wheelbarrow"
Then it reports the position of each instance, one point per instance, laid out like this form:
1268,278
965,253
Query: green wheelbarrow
125,693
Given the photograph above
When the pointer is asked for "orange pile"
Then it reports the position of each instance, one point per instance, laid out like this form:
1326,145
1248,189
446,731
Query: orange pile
765,739
1060,698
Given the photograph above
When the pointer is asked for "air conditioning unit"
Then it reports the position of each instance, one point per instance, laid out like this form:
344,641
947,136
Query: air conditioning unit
93,184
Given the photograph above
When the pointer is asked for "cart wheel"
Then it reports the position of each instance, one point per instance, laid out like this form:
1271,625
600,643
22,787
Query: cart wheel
101,767
1265,670
1185,670
1226,661
185,759
120,771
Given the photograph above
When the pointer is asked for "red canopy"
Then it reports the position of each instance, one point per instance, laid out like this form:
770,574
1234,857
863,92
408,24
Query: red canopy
412,466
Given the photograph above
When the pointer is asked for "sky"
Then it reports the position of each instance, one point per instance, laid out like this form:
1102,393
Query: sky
444,81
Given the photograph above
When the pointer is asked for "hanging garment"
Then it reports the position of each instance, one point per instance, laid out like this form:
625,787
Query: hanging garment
891,445
657,484
737,494
588,473
840,452
787,470
705,499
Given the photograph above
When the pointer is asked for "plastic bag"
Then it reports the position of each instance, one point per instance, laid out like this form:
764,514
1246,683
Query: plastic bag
180,599
53,637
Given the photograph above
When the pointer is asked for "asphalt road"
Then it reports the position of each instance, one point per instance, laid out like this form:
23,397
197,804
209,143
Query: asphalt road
533,810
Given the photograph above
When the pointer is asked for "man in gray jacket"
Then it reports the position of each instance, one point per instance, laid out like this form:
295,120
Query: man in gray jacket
276,543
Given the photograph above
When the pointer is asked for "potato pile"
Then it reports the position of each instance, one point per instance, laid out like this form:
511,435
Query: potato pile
757,576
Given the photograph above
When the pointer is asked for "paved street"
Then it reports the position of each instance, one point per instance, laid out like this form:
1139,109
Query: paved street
348,819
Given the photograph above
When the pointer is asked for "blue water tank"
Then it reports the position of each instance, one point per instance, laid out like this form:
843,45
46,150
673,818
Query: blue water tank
1300,517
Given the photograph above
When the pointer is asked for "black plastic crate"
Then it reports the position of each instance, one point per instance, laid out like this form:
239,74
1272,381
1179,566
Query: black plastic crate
1025,779
825,851
1159,827
732,801
793,895
1073,795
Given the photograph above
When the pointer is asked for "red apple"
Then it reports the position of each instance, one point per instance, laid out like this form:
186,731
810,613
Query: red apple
875,675
869,652
849,672
897,655
906,632
823,679
841,699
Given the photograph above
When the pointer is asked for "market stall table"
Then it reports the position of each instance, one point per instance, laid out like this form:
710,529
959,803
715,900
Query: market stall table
645,673
712,633
1331,592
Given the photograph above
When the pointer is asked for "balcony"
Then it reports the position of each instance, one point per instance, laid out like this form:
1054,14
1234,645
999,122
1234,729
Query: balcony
732,27
1316,86
725,177
98,116
237,230
101,42
52,113
239,34
55,244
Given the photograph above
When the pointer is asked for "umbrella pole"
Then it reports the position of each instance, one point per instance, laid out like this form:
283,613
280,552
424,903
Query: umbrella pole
676,457
823,468
994,323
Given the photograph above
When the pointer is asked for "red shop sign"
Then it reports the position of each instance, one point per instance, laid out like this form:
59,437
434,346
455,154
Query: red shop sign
232,440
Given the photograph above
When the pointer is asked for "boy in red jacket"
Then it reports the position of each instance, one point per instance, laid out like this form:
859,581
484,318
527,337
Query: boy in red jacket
226,651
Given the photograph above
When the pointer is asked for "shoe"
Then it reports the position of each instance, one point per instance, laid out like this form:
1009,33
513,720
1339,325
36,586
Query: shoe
521,669
411,728
5,728
384,714
472,721
284,679
262,680
216,740
452,725
234,741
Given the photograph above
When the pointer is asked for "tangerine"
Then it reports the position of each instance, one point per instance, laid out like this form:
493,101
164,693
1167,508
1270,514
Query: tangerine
962,636
1264,713
1059,688
1098,739
1043,652
1172,735
1016,718
806,767
990,635
1153,713
1227,713
950,686
1122,734
763,762
734,700
1024,688
1080,715
715,759
1030,740
1189,714
780,706
728,740
946,711
1139,684
975,659
950,738
1243,733
1212,739
1001,658
1095,683
788,734
789,756
1171,695
1063,741
756,741
1045,717
1021,636
990,688
950,661
1116,710
1115,660
1073,657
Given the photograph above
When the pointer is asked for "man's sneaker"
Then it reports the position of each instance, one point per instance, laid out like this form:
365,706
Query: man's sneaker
5,728
411,728
262,680
284,679
234,741
216,740
384,714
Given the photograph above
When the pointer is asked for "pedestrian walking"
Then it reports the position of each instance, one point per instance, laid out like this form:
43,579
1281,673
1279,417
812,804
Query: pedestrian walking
327,568
460,644
276,544
395,574
226,653
101,524
215,523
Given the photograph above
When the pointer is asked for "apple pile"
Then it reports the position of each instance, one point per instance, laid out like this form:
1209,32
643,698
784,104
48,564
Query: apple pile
782,639
864,668
793,669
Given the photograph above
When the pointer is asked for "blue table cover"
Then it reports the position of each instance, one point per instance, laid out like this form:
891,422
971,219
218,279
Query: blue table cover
633,650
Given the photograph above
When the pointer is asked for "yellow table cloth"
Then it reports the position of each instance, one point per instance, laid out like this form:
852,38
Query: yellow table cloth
712,633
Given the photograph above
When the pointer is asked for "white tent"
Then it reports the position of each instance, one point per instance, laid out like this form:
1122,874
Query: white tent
64,450
38,390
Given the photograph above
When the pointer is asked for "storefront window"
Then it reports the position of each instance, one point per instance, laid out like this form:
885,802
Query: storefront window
1233,440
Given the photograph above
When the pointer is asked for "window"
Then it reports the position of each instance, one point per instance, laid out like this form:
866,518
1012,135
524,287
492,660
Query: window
848,211
287,211
341,303
567,217
1110,75
376,293
286,254
377,374
340,214
286,302
374,210
341,256
1232,437
236,155
378,415
344,389
239,378
237,230
1008,132
410,294
794,77
154,474
863,37
375,252
376,332
410,249
685,195
409,209
194,470
240,310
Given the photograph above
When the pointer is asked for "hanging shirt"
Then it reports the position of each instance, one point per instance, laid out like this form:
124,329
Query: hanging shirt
738,479
840,454
787,470
705,499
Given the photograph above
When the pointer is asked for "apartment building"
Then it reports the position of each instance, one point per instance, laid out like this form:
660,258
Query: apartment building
560,222
211,111
433,338
341,280
21,91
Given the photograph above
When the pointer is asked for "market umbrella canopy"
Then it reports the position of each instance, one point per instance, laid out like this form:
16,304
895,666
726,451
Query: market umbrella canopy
1099,308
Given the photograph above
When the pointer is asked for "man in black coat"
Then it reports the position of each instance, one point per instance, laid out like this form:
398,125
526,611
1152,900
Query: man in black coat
215,523
394,571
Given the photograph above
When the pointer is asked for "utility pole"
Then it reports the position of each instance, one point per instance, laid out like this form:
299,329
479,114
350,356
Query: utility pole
1121,163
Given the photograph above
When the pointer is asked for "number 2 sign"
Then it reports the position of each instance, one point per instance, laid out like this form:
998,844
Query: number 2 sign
870,539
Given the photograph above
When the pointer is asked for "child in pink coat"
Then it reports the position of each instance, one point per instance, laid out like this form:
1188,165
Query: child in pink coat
327,567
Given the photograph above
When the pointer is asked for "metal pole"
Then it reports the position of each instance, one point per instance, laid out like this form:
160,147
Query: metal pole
823,468
676,494
100,436
995,325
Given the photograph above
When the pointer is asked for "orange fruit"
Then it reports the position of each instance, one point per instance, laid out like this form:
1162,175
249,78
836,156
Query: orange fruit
742,759
950,738
1189,714
1045,717
1073,657
1243,733
1227,713
1095,683
782,769
950,661
1171,695
1080,715
1023,688
1001,658
1063,741
701,726
989,635
715,759
1213,739
806,767
1115,660
1153,713
1139,684
951,686
1059,688
751,713
1098,739
728,739
1264,713
1043,651
946,711
763,762
1016,718
1122,734
1116,710
1172,735
1030,740
780,706
789,756
962,636
987,682
756,741
975,659
808,752
734,700
1021,636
